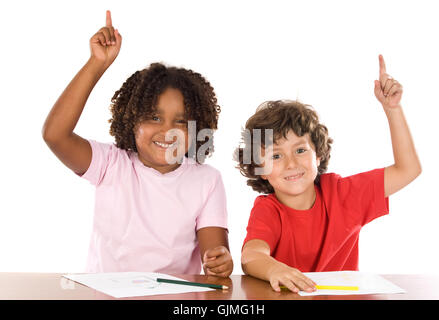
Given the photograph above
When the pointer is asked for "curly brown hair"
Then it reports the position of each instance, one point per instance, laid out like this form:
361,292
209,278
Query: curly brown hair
281,116
137,98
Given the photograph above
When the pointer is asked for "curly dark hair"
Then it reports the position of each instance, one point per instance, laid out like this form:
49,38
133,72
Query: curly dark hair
281,116
137,98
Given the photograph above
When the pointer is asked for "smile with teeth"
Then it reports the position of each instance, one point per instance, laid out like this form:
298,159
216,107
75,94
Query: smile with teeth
165,145
294,177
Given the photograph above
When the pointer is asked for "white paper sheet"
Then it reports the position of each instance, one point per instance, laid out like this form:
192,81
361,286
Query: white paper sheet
132,284
367,283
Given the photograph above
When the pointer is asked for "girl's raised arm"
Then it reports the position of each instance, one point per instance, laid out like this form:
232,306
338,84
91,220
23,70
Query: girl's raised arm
73,150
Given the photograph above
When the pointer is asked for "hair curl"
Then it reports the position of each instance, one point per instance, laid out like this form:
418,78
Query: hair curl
281,116
138,96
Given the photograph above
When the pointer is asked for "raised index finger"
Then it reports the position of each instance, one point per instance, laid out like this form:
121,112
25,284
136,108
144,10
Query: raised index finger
382,65
108,22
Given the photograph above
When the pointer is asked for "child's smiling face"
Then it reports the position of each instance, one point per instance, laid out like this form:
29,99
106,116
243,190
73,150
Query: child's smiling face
294,169
150,134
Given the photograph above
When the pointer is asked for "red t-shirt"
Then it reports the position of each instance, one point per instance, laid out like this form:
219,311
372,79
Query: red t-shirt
325,237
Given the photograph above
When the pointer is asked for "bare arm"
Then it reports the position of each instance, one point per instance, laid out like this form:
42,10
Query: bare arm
70,148
256,259
215,252
407,165
257,262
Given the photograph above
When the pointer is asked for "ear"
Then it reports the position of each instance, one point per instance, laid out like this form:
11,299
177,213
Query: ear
263,176
318,161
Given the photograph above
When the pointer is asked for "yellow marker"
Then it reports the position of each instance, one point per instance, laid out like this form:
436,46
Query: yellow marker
337,287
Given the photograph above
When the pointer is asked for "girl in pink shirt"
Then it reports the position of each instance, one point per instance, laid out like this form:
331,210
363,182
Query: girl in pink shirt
158,208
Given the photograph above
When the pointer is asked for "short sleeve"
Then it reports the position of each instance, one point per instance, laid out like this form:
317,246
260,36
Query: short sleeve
214,212
362,196
264,224
102,155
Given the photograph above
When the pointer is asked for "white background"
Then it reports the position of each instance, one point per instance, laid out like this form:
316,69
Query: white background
324,53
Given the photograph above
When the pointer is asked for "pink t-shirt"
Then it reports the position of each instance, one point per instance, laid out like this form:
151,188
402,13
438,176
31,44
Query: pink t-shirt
147,221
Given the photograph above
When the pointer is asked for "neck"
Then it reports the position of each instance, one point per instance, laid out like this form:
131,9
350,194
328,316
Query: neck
302,201
166,169
160,168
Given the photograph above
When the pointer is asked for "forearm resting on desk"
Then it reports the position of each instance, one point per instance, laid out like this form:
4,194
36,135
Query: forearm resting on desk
257,262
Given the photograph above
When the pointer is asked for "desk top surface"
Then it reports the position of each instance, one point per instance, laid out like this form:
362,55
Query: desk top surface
52,286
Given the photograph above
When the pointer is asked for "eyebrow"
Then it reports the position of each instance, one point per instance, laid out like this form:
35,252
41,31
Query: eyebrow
177,115
301,141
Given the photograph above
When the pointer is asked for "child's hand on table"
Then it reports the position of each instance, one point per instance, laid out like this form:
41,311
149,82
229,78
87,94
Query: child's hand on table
291,278
218,262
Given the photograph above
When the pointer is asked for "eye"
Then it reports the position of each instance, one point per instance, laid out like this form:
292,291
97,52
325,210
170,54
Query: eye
182,121
300,150
275,156
155,118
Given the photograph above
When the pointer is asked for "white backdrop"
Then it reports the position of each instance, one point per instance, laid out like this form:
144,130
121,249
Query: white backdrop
324,53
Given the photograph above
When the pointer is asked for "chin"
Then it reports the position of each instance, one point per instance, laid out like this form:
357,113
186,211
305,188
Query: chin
294,190
162,162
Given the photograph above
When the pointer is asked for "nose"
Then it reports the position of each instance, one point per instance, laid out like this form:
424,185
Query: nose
291,162
170,132
166,126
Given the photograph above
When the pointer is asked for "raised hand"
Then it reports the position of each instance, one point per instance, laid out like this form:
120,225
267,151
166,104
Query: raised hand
105,44
387,90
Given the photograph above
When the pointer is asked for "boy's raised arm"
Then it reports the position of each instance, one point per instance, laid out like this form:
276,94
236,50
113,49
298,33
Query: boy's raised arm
70,148
407,166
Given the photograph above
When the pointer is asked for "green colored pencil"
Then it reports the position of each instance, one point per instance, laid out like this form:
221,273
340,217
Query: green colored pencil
197,284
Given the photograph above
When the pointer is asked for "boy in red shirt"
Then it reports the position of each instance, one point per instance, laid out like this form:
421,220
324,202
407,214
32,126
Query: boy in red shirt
310,221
